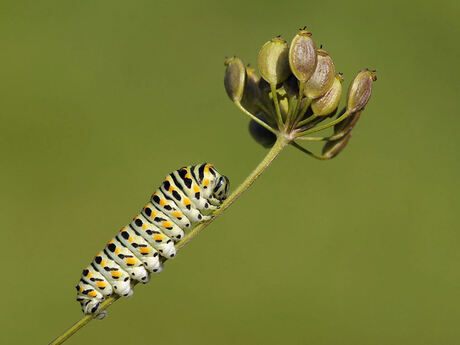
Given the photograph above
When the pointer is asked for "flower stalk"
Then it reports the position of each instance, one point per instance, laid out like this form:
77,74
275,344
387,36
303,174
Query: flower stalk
279,145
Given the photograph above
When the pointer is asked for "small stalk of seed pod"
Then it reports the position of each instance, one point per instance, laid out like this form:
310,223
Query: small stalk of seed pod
273,62
327,103
234,81
358,95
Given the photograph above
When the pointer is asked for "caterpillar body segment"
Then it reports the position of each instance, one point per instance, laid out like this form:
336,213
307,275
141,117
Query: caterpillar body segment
186,198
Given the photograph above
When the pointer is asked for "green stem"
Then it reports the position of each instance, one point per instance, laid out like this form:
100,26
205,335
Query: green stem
299,101
280,144
304,150
277,106
252,116
307,120
327,125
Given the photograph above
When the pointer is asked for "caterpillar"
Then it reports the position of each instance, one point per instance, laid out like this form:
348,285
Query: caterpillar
186,198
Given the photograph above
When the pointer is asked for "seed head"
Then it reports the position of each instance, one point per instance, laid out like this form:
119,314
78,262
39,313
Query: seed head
360,90
235,78
328,102
302,56
273,61
323,77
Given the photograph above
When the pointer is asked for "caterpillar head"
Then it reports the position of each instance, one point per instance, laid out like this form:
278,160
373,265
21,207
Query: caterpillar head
220,190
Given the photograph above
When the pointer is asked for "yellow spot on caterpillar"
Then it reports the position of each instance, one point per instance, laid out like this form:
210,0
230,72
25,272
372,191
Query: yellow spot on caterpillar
157,237
130,239
171,188
92,294
187,176
206,168
206,182
162,202
89,275
166,224
196,189
130,261
144,250
144,226
102,263
81,289
177,214
153,214
116,274
117,251
101,284
187,202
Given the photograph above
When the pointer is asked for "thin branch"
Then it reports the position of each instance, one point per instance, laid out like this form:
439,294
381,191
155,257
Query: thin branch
280,144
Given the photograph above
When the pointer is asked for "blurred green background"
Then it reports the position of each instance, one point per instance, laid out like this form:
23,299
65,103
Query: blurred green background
101,99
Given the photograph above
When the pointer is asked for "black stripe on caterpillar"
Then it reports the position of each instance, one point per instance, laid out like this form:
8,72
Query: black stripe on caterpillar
186,198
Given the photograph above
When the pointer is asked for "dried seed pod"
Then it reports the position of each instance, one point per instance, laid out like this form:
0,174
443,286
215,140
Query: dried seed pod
328,102
273,61
260,134
302,56
235,78
323,77
347,125
360,90
333,148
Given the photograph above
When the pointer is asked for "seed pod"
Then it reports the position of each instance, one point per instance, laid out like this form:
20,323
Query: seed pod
333,148
328,102
360,90
323,77
260,134
302,56
235,78
251,95
347,125
273,61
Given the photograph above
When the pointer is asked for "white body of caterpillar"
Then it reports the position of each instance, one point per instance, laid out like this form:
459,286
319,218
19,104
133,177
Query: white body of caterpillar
186,198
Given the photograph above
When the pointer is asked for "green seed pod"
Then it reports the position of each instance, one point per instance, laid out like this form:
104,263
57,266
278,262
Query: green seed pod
273,61
328,102
360,90
333,148
323,77
235,78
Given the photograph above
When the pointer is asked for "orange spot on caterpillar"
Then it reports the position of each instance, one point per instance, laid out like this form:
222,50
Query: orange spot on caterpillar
130,261
144,250
130,239
100,284
187,202
206,182
196,189
116,274
144,226
162,202
166,224
171,188
117,251
177,214
157,237
92,294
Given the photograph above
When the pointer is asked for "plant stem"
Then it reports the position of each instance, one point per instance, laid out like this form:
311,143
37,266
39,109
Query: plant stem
280,144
